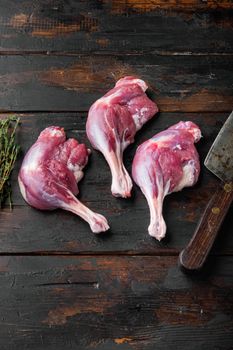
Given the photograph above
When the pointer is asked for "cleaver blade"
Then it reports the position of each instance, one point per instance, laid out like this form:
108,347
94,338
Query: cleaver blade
219,159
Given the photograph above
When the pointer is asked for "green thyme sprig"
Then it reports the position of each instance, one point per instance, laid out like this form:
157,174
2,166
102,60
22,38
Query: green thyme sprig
8,154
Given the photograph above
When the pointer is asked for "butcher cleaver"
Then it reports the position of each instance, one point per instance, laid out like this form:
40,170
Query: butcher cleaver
219,161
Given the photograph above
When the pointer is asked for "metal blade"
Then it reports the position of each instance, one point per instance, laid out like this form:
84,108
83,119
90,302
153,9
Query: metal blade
219,159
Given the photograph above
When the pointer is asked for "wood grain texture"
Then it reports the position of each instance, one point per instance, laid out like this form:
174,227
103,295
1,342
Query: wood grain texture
116,26
110,303
61,83
28,230
122,290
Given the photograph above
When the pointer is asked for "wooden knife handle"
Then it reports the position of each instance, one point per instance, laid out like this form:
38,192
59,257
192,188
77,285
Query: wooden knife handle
194,255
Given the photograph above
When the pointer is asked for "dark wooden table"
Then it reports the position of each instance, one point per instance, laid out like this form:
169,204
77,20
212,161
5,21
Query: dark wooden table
61,286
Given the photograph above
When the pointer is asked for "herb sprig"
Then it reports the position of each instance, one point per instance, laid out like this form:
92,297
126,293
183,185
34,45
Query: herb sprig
8,154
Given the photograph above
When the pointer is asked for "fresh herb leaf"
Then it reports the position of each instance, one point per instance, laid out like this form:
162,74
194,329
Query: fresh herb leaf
8,154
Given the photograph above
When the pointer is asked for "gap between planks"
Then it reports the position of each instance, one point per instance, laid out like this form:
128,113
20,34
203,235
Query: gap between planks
111,53
159,253
86,111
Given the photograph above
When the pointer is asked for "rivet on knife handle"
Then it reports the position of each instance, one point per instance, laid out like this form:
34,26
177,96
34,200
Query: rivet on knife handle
195,254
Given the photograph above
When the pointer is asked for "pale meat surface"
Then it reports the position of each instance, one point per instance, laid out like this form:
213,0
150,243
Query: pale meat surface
166,163
49,174
112,123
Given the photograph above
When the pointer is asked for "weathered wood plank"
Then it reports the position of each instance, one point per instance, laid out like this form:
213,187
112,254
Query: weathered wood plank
116,26
110,303
60,83
28,230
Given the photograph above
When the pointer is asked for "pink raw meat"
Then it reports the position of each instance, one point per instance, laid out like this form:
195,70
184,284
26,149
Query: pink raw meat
112,122
166,163
49,174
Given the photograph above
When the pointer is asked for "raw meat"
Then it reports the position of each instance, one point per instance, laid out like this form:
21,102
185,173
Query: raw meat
163,164
49,174
112,122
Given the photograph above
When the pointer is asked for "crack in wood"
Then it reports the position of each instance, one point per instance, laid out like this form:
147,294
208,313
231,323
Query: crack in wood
69,284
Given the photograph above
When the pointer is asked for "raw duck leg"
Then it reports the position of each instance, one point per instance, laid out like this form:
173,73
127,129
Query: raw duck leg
49,174
112,123
166,163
